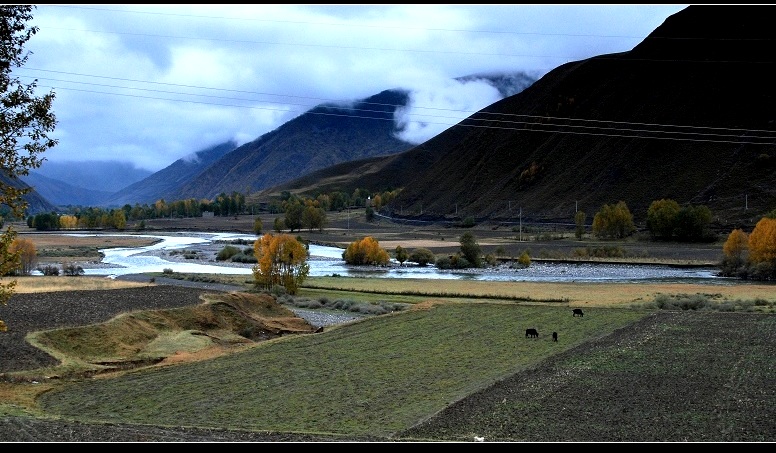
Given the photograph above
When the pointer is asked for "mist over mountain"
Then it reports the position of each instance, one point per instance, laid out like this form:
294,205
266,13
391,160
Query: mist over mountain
60,193
165,184
103,176
688,114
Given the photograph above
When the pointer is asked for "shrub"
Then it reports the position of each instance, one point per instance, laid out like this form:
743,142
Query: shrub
524,259
422,256
49,270
227,252
72,270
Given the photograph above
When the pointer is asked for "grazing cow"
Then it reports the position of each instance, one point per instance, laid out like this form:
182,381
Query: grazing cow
555,336
577,312
531,333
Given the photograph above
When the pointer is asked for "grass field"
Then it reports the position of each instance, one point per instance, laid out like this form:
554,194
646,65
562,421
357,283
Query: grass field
458,366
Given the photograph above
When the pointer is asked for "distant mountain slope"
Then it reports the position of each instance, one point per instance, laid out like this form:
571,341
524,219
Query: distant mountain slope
61,193
101,176
166,183
36,204
688,114
322,137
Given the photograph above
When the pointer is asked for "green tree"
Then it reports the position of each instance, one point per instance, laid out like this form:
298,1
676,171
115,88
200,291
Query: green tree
25,122
422,256
400,254
579,220
293,219
661,218
470,249
257,226
692,223
613,221
313,218
280,260
278,224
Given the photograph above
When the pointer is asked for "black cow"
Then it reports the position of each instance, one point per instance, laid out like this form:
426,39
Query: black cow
531,333
555,336
577,312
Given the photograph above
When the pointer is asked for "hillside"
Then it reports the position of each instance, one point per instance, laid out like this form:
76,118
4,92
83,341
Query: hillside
321,137
35,203
166,183
688,114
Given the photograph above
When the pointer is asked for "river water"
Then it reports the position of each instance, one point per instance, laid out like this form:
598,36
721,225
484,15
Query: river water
327,261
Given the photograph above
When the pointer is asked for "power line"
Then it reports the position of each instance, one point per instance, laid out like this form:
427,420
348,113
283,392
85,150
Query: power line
533,123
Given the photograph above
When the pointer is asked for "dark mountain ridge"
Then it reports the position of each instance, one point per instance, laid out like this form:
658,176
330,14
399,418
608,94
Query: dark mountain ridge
324,136
688,114
165,184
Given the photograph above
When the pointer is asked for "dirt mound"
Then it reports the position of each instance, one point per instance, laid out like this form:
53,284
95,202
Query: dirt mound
141,338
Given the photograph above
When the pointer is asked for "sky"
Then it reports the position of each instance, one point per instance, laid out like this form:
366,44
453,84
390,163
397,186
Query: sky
147,85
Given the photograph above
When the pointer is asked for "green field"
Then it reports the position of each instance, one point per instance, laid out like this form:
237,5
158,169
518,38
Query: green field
375,377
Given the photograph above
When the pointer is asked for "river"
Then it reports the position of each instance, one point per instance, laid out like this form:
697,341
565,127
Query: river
327,261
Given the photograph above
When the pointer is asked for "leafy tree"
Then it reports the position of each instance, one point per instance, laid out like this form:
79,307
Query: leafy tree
692,223
313,218
257,226
278,225
579,220
736,245
293,218
734,251
661,218
366,251
422,256
28,257
524,259
470,249
25,122
68,222
762,242
280,260
613,221
400,254
118,219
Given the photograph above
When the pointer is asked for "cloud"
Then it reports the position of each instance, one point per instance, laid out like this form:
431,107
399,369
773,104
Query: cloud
149,84
433,108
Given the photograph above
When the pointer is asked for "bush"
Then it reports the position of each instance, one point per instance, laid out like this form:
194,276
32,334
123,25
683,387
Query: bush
49,270
244,257
227,252
422,256
72,270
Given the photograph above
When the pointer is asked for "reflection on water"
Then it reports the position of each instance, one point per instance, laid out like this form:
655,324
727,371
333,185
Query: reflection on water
327,261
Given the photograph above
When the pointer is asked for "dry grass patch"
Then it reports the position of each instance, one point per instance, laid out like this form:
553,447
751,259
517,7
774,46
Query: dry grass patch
576,294
45,284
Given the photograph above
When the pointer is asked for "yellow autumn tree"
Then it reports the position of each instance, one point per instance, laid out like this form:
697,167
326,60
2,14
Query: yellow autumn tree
280,260
736,245
68,222
762,241
28,256
366,251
